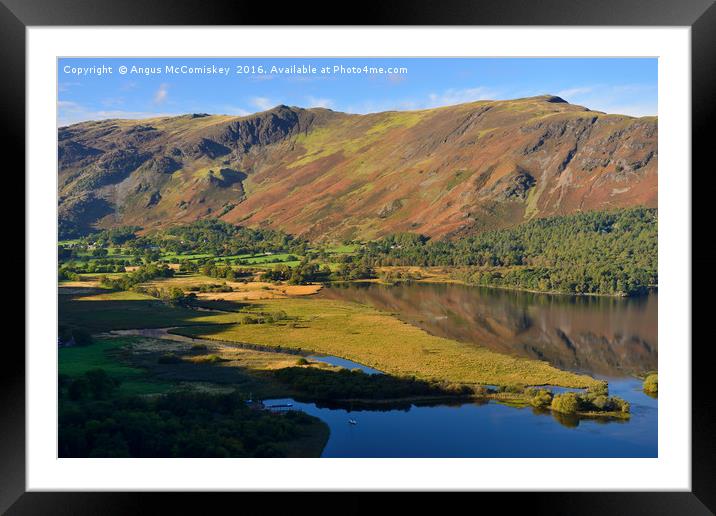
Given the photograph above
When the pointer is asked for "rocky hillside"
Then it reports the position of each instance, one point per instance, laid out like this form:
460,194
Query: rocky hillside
335,176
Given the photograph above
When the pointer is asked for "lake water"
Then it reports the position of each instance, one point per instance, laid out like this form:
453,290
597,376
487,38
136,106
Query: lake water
607,338
487,430
343,362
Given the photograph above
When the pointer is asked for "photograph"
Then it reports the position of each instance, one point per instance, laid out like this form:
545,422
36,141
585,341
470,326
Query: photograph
394,257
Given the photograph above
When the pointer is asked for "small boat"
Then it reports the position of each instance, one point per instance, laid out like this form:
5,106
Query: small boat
352,422
280,405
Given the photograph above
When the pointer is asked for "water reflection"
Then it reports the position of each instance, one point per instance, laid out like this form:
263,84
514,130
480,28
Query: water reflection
597,335
486,429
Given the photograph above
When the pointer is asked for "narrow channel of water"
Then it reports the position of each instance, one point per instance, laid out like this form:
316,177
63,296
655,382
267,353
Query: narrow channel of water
164,333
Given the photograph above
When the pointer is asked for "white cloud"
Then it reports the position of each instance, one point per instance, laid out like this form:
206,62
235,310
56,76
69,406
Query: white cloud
69,112
67,86
396,78
68,105
162,93
448,97
636,109
623,99
572,92
112,101
319,102
128,86
234,110
459,96
262,103
372,106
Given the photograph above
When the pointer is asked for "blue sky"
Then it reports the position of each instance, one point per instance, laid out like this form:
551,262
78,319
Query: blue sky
89,90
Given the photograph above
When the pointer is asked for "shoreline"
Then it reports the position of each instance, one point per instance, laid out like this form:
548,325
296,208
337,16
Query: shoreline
510,399
455,281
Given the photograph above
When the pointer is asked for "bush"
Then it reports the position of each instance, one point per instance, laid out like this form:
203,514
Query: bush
513,389
567,403
600,402
480,390
571,402
541,398
621,405
651,384
602,389
302,361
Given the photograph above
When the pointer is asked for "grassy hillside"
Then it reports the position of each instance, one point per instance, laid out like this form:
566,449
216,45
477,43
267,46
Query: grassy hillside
333,176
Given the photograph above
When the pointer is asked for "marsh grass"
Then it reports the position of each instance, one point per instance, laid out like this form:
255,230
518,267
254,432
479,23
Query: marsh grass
381,341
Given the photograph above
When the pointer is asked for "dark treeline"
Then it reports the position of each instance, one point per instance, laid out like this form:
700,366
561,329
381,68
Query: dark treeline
140,275
304,272
149,272
346,384
210,236
94,421
214,270
112,236
613,253
594,252
72,271
224,239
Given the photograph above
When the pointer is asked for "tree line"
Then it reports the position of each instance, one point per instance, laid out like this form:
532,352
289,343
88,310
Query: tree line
587,253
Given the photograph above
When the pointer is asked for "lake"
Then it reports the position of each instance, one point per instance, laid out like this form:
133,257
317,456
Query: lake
606,337
487,430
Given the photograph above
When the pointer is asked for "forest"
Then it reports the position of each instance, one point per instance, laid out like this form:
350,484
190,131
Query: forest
606,253
612,253
94,421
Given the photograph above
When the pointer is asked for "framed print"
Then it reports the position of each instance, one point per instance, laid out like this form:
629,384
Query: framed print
436,254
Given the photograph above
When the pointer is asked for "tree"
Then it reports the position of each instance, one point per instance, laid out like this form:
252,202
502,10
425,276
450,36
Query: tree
651,384
567,403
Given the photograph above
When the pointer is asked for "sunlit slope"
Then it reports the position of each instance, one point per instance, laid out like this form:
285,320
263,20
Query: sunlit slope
337,176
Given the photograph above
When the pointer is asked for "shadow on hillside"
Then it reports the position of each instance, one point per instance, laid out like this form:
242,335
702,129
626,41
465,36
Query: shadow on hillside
76,308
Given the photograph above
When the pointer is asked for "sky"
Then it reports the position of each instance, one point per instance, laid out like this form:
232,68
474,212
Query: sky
100,88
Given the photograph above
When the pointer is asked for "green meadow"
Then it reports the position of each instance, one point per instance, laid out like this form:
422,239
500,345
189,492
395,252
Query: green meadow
106,354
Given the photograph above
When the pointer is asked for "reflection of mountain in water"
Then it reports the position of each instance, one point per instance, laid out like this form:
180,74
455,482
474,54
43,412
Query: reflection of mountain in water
605,336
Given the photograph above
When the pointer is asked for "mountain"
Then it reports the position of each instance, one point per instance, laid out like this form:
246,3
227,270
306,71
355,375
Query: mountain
334,176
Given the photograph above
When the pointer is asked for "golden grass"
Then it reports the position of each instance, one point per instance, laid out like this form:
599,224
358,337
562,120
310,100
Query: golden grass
231,356
379,340
80,284
252,290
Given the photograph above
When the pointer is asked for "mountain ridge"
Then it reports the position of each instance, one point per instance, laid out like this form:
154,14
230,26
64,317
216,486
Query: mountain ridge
325,174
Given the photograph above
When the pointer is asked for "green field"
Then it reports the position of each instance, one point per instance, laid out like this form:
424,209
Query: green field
127,310
105,354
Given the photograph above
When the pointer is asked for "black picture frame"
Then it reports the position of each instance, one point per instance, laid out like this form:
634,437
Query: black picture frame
700,15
